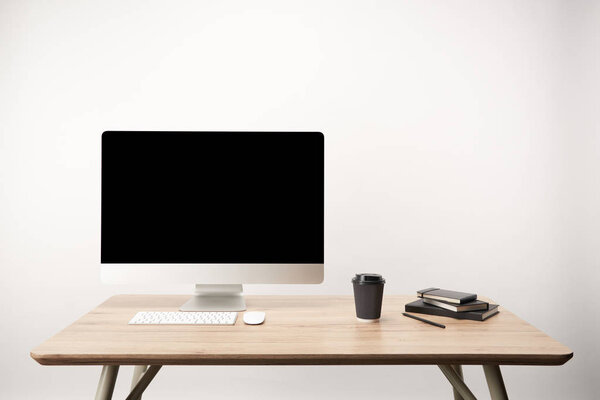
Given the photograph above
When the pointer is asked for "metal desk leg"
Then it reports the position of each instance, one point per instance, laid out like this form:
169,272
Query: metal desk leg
459,372
457,382
143,382
493,376
106,385
138,371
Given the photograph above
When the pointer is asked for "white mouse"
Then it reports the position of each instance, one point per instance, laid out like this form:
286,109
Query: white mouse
254,317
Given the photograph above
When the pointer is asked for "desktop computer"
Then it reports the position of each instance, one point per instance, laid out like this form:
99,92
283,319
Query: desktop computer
215,209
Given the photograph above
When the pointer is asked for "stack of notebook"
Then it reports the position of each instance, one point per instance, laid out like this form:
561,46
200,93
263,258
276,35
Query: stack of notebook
448,303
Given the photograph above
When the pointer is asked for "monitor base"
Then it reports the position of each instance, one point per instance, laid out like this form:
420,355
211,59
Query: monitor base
216,298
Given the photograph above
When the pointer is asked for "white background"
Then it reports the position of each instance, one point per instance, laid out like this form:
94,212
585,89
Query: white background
462,151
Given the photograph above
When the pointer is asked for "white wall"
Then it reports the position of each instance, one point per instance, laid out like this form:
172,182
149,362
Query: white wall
462,147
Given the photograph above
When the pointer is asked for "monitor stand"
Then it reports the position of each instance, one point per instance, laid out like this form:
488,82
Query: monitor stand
216,298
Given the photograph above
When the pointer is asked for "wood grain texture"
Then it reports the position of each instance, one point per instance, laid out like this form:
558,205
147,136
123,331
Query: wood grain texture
299,330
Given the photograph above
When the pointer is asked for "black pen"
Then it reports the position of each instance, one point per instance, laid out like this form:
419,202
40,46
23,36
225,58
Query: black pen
424,320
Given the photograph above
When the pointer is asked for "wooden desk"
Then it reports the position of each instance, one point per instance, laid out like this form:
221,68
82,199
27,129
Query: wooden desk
299,330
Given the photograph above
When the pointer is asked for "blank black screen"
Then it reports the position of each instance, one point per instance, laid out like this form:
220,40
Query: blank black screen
212,197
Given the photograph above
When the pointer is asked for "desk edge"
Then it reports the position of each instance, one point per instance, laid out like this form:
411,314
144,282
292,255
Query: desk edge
303,359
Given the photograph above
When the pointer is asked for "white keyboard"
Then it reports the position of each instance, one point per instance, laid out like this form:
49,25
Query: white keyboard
183,318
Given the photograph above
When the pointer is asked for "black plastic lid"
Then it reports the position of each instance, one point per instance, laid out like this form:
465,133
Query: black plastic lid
368,279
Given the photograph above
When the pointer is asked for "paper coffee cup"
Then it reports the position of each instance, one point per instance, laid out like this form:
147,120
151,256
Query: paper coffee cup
368,296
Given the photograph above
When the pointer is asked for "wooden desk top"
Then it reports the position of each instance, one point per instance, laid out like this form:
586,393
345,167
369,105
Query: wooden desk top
298,330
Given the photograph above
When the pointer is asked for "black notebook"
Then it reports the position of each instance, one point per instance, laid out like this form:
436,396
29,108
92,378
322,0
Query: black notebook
447,295
474,305
421,307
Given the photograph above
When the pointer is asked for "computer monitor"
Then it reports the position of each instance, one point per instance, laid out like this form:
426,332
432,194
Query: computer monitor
215,209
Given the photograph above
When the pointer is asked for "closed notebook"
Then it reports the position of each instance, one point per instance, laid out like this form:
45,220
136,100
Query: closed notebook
419,306
450,296
474,305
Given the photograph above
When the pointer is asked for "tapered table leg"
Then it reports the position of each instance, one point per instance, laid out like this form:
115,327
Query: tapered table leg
457,382
493,376
459,372
138,371
106,385
143,382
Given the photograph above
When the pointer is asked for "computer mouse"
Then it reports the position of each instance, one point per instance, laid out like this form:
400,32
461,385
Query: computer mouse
254,317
